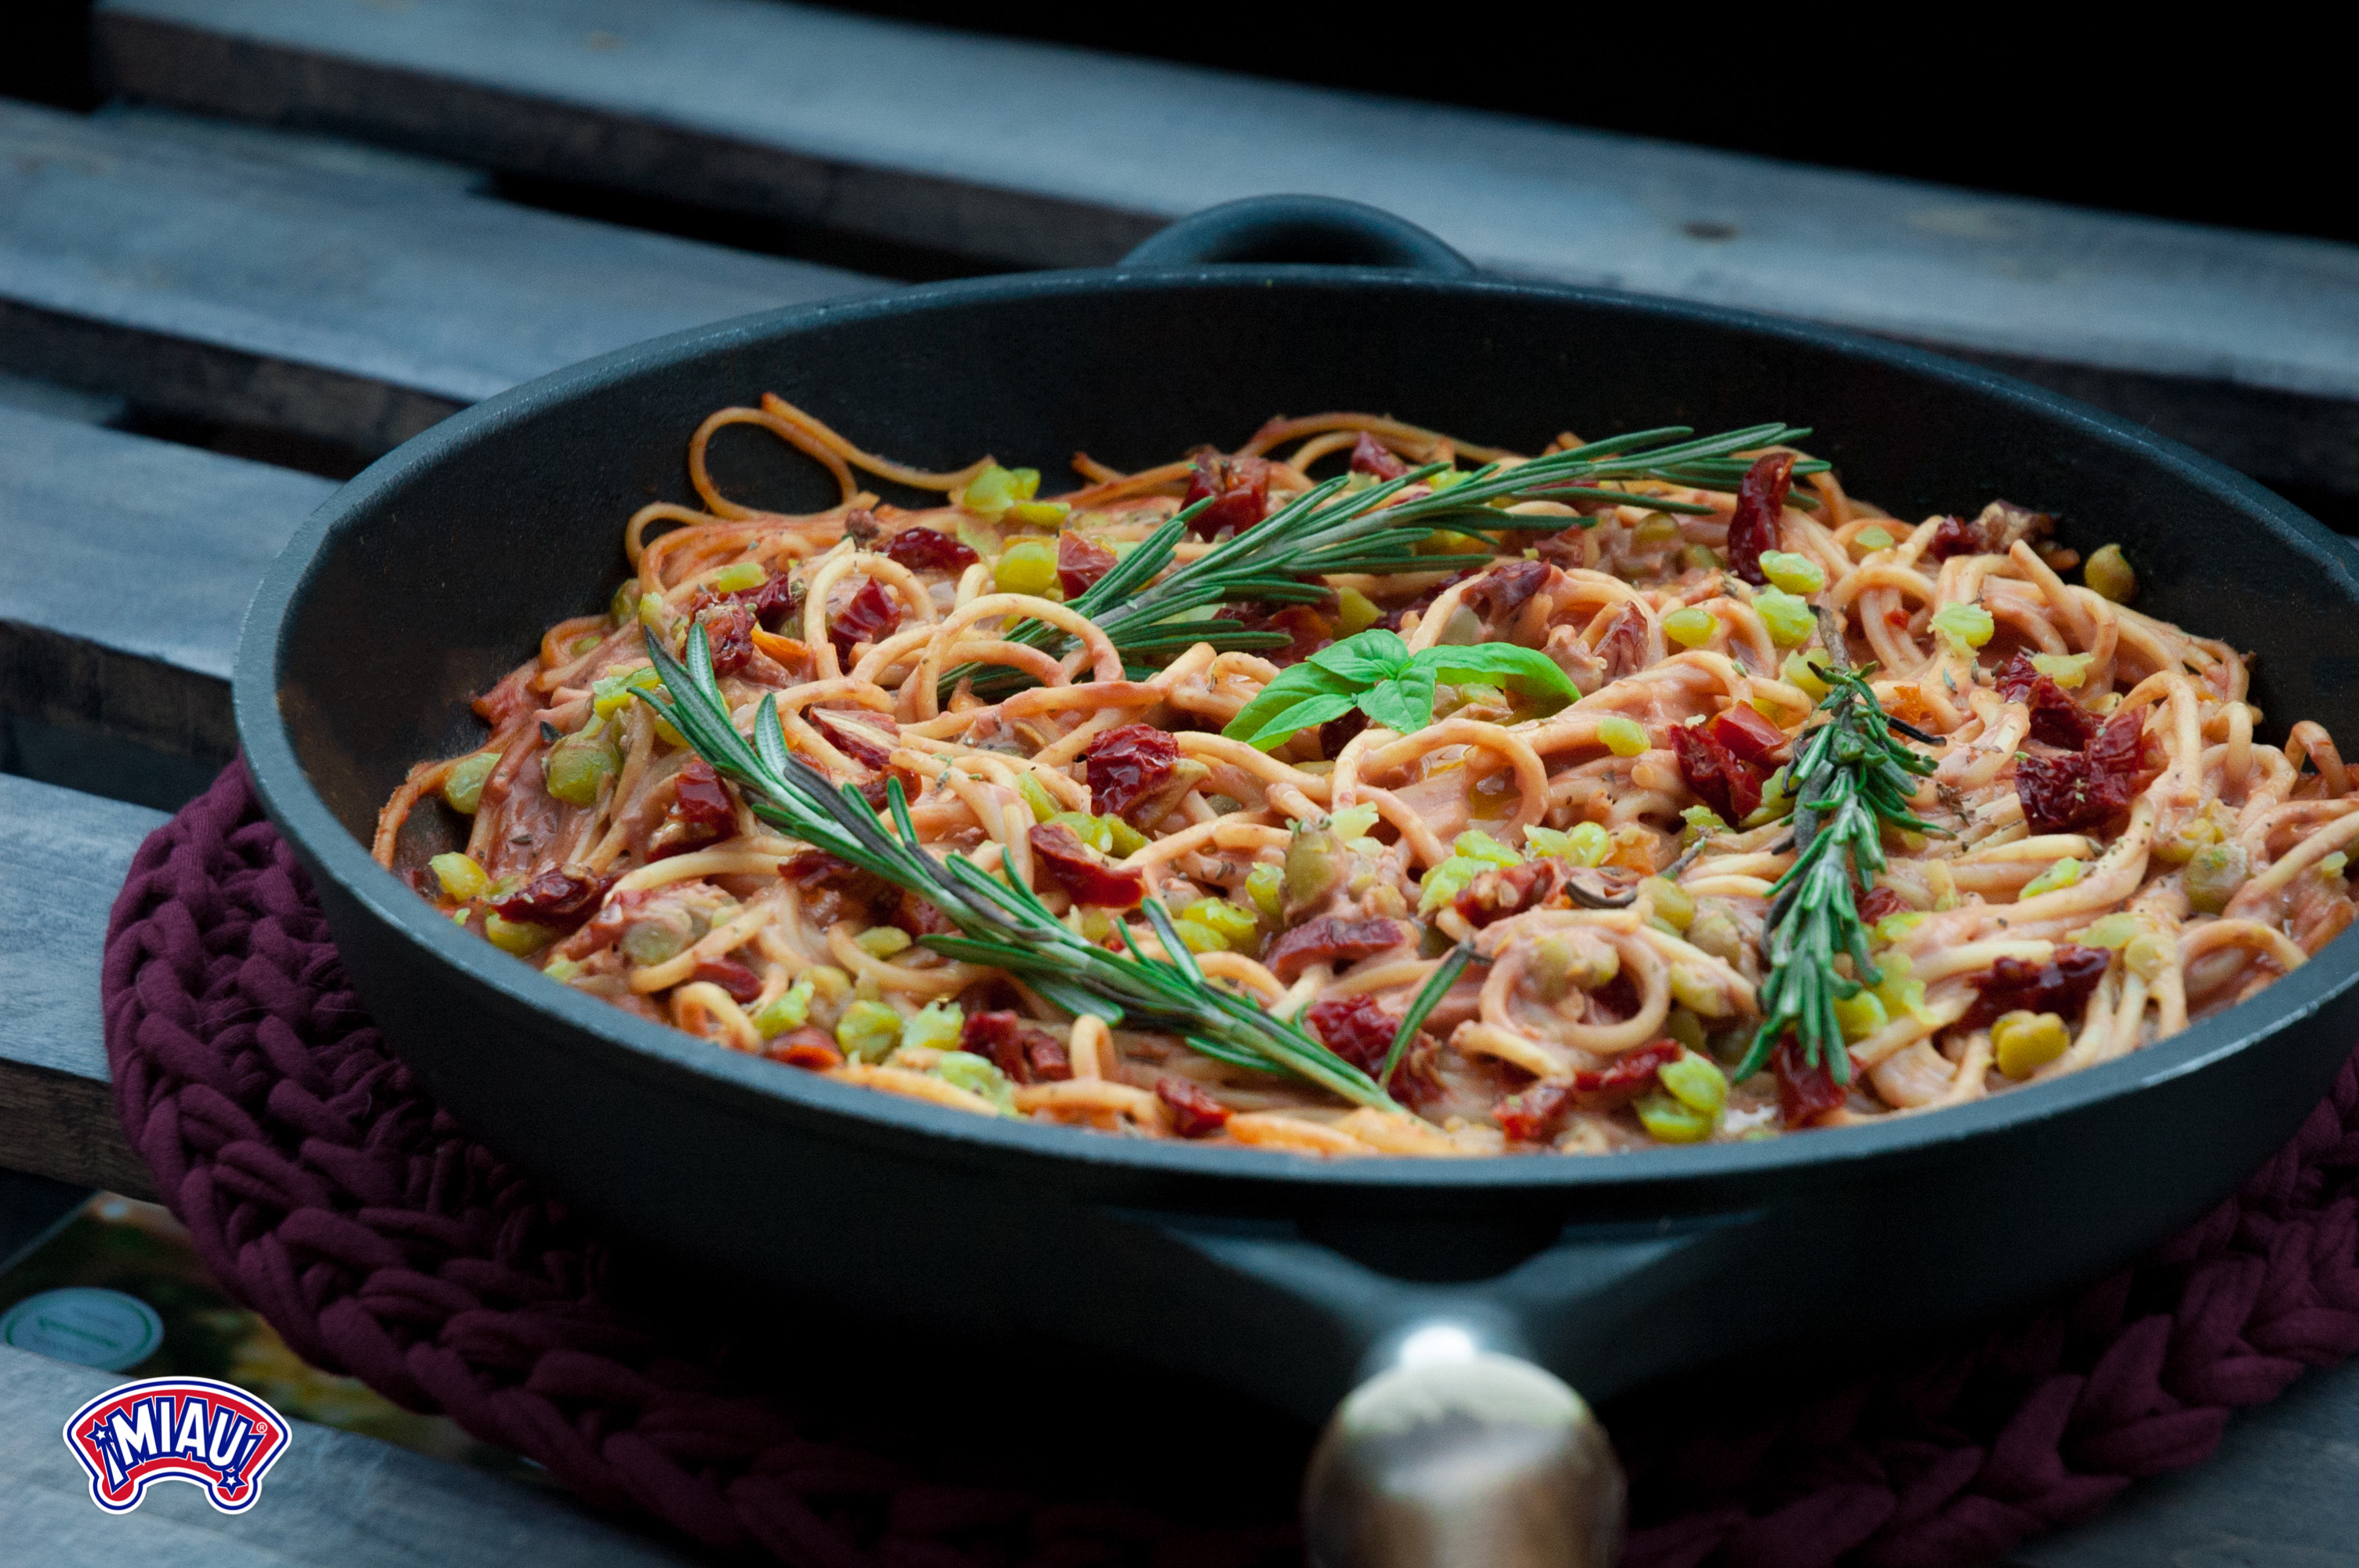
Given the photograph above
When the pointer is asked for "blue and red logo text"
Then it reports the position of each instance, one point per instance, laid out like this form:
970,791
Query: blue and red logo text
211,1436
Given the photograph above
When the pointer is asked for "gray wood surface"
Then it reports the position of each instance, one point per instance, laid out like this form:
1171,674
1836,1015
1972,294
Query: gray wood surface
1032,155
351,306
147,554
334,1498
62,859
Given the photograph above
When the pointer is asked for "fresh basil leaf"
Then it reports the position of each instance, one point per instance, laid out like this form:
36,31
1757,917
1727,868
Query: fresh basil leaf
1303,715
1403,705
1364,660
1526,670
1291,686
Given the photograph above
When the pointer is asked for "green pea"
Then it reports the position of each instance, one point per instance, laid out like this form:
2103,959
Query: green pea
1791,620
1028,567
935,1026
578,764
463,789
962,1069
517,936
2109,572
868,1031
461,877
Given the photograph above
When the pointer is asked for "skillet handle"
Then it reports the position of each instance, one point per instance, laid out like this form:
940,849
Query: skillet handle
1457,1455
1314,229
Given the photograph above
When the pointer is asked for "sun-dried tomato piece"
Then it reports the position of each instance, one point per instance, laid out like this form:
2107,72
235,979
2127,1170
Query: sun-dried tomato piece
818,869
1953,537
729,633
1805,1091
2056,718
557,900
1024,1051
1306,628
1128,767
1536,1114
1721,779
1238,489
805,1047
1371,456
1355,1028
1748,736
1077,869
929,550
1878,903
1334,939
2069,790
921,918
1499,595
1624,646
742,983
1079,563
1760,502
871,615
1631,1071
2061,985
701,813
1194,1112
863,736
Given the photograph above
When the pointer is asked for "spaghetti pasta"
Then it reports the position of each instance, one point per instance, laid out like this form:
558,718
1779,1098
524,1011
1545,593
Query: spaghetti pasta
2119,850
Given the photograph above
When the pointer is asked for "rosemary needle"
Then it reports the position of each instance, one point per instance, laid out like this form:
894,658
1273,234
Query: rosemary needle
1002,923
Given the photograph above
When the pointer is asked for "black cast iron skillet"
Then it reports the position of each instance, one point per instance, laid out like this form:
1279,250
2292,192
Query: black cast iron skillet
423,580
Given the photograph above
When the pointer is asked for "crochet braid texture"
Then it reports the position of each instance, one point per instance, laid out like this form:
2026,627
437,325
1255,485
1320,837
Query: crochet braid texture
326,1191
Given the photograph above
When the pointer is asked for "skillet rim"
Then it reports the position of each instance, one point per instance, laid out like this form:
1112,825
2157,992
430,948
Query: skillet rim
846,1112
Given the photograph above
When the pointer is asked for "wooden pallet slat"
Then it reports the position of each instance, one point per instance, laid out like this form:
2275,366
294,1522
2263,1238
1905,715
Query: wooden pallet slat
353,309
62,857
1032,155
148,552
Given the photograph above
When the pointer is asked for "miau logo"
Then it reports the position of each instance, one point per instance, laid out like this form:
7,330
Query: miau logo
216,1437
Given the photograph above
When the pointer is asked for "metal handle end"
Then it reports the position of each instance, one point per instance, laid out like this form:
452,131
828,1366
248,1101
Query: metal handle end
1483,1459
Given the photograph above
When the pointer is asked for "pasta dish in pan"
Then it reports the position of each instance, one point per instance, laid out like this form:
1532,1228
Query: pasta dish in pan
1363,791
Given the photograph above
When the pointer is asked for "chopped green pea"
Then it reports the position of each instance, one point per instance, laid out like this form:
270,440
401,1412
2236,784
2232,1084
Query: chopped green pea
1671,902
964,1069
1965,627
2067,670
1028,565
2063,875
790,1009
2109,572
1691,627
461,879
1699,820
1355,611
1696,1083
1198,937
2025,1042
2213,875
868,1031
992,492
577,765
1036,795
1236,926
738,578
1892,928
935,1026
1584,844
1654,530
1860,1016
1791,620
1127,840
882,941
1444,882
463,789
1793,572
1872,539
1798,674
1623,736
625,603
1090,830
2115,931
516,937
1670,1120
1480,846
1039,514
1266,885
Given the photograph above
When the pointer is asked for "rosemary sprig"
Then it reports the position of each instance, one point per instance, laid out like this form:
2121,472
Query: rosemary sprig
1851,779
1331,529
1001,922
1436,984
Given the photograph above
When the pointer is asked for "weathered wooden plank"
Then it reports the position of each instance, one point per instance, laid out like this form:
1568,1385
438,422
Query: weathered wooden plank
335,1496
356,307
1035,155
148,553
62,858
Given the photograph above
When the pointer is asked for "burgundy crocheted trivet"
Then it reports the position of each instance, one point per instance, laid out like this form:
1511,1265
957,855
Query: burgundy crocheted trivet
328,1192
